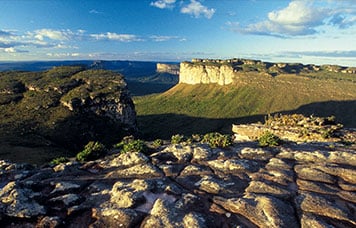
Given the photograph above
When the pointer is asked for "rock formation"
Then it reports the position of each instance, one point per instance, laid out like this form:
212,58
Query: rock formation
204,74
168,68
189,185
60,110
223,72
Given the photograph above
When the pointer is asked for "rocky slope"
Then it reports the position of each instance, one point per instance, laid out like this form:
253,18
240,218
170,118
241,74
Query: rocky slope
296,184
45,114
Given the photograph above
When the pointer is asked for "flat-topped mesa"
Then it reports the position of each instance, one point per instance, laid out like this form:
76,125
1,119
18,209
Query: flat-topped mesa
223,72
206,73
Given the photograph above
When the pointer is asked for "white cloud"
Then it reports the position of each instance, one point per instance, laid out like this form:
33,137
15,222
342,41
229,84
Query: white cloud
52,34
10,50
297,13
115,37
163,38
196,9
94,11
163,4
300,18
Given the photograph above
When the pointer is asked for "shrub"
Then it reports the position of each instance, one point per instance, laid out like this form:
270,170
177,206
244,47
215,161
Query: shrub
157,143
176,139
216,139
132,145
59,160
92,151
269,139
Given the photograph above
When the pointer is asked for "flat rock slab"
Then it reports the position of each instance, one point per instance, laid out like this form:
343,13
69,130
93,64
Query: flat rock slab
293,185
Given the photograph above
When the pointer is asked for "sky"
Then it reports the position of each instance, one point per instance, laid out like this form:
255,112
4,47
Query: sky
304,31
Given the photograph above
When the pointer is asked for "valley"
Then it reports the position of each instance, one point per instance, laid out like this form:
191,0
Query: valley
54,112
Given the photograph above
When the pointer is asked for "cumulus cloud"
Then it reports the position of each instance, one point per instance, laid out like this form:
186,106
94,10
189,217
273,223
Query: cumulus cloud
115,37
299,18
164,4
196,9
52,34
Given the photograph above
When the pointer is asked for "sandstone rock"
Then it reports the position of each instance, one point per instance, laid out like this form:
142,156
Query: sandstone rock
263,211
67,199
270,189
316,187
126,195
182,153
19,202
256,153
205,74
234,165
296,185
110,217
137,171
63,187
310,173
127,159
320,205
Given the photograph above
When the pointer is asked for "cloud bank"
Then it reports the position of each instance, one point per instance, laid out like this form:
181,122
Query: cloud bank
300,18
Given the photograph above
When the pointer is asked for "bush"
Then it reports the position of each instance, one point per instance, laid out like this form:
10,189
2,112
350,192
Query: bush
176,139
157,143
216,139
92,151
59,160
269,139
132,145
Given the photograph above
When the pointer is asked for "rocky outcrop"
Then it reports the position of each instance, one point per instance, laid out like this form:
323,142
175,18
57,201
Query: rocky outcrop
104,94
168,68
191,73
58,111
188,185
223,72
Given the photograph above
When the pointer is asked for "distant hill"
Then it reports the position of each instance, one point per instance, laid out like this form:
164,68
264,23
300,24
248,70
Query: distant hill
251,95
142,77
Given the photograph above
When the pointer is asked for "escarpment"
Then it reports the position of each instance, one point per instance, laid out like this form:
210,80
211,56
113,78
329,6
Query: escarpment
55,112
224,72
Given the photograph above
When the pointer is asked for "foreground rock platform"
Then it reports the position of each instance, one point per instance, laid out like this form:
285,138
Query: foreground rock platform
293,185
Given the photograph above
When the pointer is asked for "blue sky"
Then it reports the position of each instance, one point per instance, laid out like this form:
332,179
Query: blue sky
313,31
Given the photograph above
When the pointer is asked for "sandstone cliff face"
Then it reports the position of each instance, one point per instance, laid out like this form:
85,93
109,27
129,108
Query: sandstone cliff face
168,68
223,72
204,74
189,185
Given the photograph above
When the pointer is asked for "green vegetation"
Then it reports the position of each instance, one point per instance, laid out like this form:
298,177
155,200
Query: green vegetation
59,160
268,139
176,139
216,139
129,144
92,151
35,121
157,143
188,109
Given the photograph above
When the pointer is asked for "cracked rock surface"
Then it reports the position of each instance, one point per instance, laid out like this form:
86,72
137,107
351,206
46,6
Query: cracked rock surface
293,185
